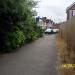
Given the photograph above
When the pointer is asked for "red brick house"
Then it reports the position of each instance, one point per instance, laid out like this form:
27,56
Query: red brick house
56,26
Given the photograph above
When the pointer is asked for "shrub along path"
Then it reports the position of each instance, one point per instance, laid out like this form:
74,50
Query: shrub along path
37,58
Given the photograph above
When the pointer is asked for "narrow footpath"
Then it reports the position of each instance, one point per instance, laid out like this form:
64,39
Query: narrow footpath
37,58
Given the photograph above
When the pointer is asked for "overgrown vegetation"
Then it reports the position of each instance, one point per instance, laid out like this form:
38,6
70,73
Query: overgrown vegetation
66,45
17,24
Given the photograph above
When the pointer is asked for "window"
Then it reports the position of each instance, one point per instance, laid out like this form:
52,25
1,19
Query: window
73,12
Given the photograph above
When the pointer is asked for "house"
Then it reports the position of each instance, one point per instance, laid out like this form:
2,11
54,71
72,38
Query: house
49,24
70,11
41,22
56,26
44,22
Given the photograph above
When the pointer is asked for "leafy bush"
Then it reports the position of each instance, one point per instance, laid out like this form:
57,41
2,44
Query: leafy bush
31,36
13,40
39,31
17,23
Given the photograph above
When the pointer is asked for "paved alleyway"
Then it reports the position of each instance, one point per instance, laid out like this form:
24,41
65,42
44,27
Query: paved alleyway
37,58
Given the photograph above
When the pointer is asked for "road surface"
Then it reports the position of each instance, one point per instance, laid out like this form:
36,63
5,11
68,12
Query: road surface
37,58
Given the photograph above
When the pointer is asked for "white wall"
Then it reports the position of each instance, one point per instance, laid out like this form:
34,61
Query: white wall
73,12
42,24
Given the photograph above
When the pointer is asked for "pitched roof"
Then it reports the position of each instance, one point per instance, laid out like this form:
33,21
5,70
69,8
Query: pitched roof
70,6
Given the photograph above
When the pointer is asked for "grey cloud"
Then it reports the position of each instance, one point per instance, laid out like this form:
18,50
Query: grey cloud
55,11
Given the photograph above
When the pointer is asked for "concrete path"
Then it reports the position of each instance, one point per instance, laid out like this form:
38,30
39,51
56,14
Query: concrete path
37,58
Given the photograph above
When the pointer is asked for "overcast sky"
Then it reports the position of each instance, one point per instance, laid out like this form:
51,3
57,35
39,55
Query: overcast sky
53,9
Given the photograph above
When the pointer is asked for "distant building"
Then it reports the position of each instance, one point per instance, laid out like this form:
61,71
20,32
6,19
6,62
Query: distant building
45,23
56,26
41,22
49,24
70,11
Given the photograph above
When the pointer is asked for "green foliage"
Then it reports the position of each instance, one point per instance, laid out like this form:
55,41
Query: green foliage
17,25
39,31
13,40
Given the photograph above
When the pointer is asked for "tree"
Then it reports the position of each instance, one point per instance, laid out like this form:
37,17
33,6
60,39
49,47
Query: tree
17,24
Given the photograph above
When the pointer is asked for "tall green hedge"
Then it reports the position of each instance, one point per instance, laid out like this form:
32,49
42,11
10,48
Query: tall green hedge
17,24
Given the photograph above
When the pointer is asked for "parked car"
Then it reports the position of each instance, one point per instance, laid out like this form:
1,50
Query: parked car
55,30
51,31
48,31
